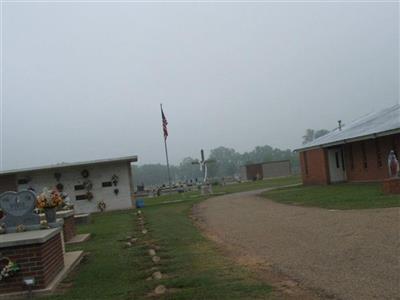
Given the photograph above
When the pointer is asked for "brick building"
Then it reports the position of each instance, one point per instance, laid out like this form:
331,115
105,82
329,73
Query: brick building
264,170
355,152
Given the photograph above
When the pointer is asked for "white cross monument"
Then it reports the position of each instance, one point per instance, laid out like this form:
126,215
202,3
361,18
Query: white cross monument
206,187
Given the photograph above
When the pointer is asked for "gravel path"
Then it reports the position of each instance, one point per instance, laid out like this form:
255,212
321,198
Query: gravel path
351,254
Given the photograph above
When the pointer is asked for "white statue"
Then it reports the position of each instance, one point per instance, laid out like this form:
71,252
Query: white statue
393,164
203,165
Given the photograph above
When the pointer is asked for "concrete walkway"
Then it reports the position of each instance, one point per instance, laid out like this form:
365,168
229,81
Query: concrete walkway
351,254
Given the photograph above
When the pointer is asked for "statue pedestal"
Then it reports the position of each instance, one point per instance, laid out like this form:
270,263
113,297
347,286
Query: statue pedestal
391,186
206,189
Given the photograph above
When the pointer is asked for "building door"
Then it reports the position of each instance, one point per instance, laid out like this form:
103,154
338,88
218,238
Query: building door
337,171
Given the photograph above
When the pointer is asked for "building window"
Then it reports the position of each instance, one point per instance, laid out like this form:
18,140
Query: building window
351,158
378,154
337,159
342,157
305,162
364,156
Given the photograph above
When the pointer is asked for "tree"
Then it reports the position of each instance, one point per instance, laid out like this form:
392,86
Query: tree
309,136
187,170
150,174
227,162
312,134
320,133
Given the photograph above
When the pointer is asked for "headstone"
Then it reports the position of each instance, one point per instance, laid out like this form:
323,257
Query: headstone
140,188
18,211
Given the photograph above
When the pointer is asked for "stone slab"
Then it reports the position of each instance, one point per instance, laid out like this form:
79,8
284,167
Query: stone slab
79,238
71,260
58,223
65,213
27,237
82,219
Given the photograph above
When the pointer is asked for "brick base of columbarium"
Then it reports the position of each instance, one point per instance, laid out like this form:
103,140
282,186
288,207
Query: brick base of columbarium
38,253
69,228
391,186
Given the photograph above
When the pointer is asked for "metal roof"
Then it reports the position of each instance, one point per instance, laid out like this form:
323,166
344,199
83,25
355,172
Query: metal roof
132,158
372,125
266,162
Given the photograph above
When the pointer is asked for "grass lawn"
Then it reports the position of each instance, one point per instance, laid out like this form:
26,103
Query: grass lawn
195,268
336,196
226,189
255,185
110,271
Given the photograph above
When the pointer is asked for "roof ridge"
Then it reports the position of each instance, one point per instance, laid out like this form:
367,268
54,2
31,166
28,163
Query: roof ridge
384,120
373,116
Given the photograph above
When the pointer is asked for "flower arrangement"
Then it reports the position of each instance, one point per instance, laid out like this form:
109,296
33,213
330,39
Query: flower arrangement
20,228
85,173
49,199
101,206
88,184
89,195
9,269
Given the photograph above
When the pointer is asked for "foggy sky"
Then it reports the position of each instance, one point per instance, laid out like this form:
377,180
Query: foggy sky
84,81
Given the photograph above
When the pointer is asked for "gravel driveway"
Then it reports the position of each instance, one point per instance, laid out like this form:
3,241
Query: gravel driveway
351,254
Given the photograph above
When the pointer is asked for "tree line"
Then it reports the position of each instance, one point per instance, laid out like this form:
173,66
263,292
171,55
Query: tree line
227,163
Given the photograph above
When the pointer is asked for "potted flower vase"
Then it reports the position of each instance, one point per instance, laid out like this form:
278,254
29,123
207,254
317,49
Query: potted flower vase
51,215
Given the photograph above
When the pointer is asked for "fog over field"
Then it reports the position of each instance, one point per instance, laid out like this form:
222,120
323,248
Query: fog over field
82,81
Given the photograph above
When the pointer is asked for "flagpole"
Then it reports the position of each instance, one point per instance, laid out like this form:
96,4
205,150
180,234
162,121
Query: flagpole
166,155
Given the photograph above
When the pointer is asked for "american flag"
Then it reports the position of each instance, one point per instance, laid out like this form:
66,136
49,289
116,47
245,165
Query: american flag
164,124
